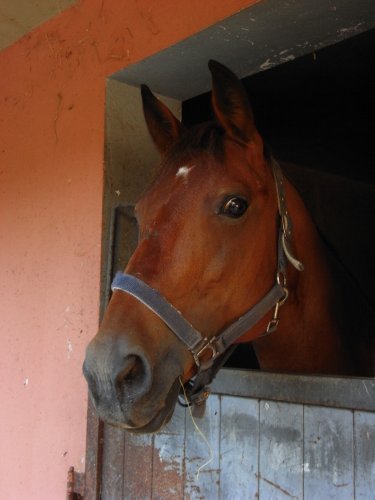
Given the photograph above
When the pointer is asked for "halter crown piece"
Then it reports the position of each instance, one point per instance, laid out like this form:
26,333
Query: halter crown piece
220,346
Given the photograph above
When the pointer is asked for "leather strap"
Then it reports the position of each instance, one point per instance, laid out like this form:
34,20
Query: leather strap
160,306
183,330
286,222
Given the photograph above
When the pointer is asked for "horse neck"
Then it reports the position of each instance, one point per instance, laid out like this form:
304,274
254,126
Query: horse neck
307,339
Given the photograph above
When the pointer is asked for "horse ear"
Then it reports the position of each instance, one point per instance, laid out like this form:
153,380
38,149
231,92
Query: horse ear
163,126
231,104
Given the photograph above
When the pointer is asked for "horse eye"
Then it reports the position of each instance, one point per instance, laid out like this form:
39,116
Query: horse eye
234,207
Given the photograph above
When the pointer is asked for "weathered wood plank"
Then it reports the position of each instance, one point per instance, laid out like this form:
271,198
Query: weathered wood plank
204,485
168,459
239,448
94,453
280,450
364,455
328,453
113,463
138,466
340,392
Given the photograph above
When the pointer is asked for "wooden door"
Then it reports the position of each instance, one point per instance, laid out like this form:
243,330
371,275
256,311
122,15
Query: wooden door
256,447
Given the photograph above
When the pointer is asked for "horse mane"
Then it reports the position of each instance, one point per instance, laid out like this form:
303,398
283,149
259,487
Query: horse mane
204,138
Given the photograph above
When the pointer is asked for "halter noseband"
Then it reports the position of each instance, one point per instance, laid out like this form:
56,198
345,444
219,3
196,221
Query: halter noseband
220,346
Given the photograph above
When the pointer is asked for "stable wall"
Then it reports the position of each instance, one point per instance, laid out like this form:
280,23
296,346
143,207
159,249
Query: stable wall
52,91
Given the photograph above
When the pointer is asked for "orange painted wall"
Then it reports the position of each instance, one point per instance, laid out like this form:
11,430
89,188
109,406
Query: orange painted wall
52,91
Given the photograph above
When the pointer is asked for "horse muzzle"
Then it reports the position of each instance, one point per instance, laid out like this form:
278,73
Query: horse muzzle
122,385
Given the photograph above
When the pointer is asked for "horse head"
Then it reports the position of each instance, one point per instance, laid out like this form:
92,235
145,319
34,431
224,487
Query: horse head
211,229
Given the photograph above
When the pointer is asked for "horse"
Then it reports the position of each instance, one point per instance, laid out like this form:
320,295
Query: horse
228,253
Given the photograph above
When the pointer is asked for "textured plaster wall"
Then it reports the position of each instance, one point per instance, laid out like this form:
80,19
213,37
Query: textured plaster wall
19,17
52,89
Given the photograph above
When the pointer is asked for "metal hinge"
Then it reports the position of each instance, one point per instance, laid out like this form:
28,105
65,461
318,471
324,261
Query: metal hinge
75,488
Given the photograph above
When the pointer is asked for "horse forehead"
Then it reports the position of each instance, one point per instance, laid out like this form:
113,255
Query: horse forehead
173,178
206,172
187,180
168,189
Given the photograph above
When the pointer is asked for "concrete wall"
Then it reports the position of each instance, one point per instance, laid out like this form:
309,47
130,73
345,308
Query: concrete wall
52,91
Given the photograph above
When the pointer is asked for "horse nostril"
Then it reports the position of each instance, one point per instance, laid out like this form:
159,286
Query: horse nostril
132,379
132,369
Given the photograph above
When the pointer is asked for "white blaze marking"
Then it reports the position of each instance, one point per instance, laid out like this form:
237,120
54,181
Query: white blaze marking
183,172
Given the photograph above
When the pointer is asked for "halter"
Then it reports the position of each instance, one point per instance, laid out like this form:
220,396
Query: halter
220,346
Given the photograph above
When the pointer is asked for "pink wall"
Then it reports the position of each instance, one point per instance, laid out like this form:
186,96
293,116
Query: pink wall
52,88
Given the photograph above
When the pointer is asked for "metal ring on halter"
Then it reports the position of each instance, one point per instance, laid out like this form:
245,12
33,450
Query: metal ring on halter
285,298
281,278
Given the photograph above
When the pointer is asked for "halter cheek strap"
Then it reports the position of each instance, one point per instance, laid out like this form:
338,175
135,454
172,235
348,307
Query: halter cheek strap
218,346
185,332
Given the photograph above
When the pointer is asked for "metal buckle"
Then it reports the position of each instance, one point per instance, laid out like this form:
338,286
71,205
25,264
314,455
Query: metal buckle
196,401
208,344
281,279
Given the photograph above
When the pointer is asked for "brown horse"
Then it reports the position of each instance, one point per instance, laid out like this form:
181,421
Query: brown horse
222,236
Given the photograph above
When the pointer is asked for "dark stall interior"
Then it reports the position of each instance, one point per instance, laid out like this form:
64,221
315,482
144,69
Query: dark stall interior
317,110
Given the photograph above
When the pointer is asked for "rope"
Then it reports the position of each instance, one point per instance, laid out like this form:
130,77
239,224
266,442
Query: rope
199,432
